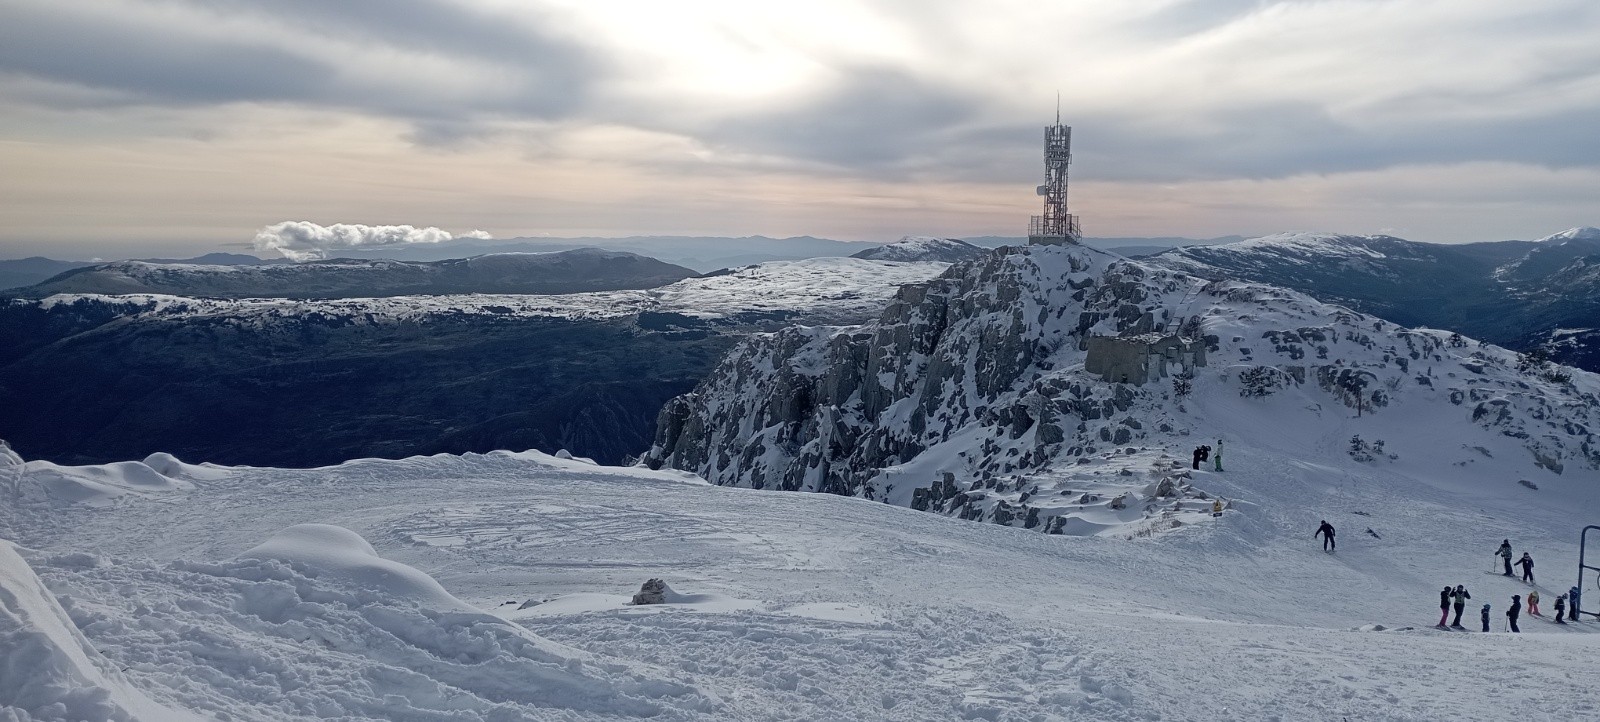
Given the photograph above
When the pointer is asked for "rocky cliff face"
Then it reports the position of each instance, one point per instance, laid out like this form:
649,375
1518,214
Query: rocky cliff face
969,395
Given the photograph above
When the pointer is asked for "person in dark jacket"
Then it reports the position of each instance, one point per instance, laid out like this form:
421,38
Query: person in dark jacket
1326,530
1485,614
1526,562
1444,604
1561,607
1197,466
1505,555
1458,599
1572,596
1511,614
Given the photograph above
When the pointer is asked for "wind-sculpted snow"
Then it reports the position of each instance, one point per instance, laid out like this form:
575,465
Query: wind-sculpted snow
969,396
310,624
790,606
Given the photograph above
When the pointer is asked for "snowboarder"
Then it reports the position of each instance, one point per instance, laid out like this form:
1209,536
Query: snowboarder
1505,555
1526,562
1444,605
1459,599
1511,614
1485,614
1533,604
1219,455
1561,608
1326,530
1572,594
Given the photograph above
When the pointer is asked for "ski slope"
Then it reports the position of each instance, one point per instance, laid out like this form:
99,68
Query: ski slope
789,606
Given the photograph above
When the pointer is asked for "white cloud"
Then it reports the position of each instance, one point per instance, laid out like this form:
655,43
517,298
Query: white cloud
307,241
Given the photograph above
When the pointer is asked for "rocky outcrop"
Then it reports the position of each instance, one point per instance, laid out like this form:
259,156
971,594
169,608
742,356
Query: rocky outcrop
969,395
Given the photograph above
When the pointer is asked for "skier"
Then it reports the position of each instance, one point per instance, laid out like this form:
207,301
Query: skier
1219,455
1459,599
1444,605
1485,614
1511,614
1526,562
1505,555
1326,530
1572,594
1561,608
1533,604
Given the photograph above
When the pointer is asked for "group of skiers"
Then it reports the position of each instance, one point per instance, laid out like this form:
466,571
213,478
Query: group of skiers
1455,598
1458,596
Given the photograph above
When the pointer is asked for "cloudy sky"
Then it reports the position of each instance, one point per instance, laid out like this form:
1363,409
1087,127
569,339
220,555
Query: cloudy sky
165,126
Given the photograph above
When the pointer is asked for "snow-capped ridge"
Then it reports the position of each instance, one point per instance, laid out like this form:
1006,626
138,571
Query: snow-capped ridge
1571,234
923,248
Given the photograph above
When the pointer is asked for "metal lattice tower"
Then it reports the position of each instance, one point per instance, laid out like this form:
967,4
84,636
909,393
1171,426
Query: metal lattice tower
1056,227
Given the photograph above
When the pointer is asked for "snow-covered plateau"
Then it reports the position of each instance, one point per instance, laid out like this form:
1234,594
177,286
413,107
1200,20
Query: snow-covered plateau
820,289
1072,568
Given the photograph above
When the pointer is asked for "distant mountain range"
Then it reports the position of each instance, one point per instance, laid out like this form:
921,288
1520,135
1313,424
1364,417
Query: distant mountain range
1518,294
701,253
574,271
28,271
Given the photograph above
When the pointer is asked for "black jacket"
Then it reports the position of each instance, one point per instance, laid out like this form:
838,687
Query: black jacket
1326,528
1444,598
1516,609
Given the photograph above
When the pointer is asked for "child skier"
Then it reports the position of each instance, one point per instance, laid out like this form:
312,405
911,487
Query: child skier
1511,614
1561,607
1459,600
1526,562
1505,555
1533,604
1485,616
1444,605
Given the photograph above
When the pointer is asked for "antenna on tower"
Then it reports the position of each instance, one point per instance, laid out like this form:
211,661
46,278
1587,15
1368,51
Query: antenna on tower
1057,226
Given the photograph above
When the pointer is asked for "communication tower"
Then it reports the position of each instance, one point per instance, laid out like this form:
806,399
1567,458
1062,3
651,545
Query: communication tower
1056,227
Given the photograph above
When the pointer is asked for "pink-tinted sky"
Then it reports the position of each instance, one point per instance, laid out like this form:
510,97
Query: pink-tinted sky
164,127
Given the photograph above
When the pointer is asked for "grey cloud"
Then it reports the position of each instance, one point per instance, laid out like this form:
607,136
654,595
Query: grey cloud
1193,16
67,45
200,61
877,120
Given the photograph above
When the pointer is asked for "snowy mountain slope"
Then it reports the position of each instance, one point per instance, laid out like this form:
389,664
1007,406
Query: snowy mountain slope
815,606
1513,293
970,396
924,248
578,270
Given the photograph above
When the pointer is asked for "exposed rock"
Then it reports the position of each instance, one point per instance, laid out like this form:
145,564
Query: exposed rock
654,591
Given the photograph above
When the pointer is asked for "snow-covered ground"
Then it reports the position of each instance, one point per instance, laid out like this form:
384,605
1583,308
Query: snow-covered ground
201,594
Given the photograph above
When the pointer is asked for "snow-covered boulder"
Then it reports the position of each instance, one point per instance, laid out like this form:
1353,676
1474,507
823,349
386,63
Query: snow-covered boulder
653,591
